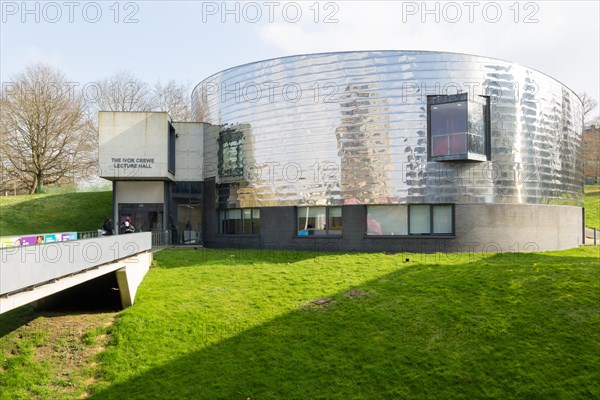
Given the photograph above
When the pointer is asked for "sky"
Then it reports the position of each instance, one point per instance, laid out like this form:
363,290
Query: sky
191,40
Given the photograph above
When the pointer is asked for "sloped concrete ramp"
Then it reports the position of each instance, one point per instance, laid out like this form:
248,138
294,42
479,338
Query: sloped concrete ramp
30,273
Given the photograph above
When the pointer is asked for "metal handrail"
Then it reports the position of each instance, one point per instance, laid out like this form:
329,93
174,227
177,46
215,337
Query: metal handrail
87,234
161,240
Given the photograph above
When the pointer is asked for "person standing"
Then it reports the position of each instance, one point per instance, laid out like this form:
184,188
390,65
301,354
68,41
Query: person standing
127,227
107,227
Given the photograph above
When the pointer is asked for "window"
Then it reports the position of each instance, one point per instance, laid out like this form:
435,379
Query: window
239,221
256,221
442,219
251,217
230,152
171,149
415,219
387,220
420,221
458,128
319,221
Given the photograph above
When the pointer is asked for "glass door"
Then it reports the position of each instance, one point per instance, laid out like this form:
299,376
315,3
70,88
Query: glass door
189,223
186,213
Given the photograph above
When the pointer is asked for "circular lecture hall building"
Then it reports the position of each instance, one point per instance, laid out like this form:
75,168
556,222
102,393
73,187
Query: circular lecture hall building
391,151
398,151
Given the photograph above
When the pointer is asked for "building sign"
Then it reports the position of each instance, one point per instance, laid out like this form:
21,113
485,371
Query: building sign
131,162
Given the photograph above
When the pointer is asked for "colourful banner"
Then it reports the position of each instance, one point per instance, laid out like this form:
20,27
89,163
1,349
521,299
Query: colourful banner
10,241
68,236
28,240
50,238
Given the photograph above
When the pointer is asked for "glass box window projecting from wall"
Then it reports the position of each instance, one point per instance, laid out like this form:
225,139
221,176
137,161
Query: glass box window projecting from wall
231,153
416,219
239,221
458,128
319,221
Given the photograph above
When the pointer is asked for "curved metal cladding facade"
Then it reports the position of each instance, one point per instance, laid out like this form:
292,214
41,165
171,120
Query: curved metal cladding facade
351,128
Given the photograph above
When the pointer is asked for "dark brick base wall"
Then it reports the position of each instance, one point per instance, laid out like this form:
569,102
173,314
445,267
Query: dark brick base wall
478,228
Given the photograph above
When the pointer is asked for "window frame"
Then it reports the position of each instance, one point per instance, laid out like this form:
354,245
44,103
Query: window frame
433,100
396,207
431,220
408,228
327,218
253,211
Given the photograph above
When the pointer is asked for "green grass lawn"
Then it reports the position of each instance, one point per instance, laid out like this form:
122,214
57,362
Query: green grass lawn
41,213
237,324
214,324
50,355
592,206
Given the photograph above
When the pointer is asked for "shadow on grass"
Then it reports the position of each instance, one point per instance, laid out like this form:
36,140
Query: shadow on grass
14,319
425,331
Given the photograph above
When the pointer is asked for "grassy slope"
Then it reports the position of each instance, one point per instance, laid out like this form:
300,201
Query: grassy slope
212,324
54,213
592,206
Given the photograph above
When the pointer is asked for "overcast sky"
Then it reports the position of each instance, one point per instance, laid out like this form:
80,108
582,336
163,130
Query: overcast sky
190,40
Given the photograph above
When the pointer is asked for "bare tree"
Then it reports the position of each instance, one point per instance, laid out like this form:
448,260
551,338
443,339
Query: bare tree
173,98
46,136
6,172
589,105
123,92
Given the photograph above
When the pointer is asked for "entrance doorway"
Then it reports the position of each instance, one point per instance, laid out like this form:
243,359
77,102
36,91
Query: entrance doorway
189,222
186,213
143,217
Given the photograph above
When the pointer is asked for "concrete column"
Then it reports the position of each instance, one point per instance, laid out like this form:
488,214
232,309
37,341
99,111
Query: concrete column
115,208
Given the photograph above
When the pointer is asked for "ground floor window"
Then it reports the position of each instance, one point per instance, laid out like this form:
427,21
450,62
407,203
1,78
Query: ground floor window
144,217
414,219
319,221
239,221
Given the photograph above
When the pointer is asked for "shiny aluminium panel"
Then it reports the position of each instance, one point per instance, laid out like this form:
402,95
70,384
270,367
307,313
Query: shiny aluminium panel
351,128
